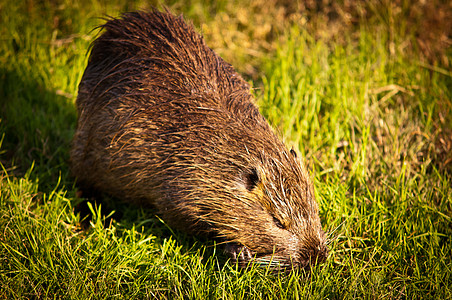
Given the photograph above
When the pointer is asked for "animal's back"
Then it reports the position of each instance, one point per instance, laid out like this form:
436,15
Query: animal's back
159,53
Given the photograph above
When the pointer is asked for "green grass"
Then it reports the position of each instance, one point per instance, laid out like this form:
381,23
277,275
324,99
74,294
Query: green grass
372,116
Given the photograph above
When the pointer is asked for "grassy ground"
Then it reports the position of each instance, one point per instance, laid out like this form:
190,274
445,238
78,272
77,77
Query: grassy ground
363,90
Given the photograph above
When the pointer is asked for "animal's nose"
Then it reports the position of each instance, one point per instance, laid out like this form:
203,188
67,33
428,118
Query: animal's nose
317,254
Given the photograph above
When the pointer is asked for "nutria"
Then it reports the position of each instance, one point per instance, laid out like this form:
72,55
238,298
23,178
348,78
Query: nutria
165,122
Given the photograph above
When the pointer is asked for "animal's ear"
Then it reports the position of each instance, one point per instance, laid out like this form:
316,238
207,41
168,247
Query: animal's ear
251,178
294,154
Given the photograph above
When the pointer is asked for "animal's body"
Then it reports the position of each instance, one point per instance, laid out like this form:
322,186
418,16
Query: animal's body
165,122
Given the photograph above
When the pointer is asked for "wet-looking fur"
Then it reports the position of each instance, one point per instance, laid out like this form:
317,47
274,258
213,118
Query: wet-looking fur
165,122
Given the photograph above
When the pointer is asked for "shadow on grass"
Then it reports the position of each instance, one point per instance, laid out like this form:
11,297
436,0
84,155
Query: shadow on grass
125,216
37,125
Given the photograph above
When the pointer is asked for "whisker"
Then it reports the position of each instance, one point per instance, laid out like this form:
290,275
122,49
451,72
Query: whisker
329,234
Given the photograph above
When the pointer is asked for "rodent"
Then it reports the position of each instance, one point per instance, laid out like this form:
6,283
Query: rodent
164,122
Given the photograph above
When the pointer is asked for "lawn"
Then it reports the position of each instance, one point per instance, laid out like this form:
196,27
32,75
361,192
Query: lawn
362,89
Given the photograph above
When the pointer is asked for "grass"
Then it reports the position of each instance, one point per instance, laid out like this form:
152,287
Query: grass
369,108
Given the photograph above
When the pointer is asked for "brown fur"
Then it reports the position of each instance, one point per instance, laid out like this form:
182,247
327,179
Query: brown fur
164,121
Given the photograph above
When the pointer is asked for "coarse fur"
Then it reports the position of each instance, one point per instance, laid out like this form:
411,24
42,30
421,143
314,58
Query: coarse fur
165,122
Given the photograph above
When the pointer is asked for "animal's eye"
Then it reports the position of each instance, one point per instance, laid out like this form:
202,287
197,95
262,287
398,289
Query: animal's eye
278,223
251,179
